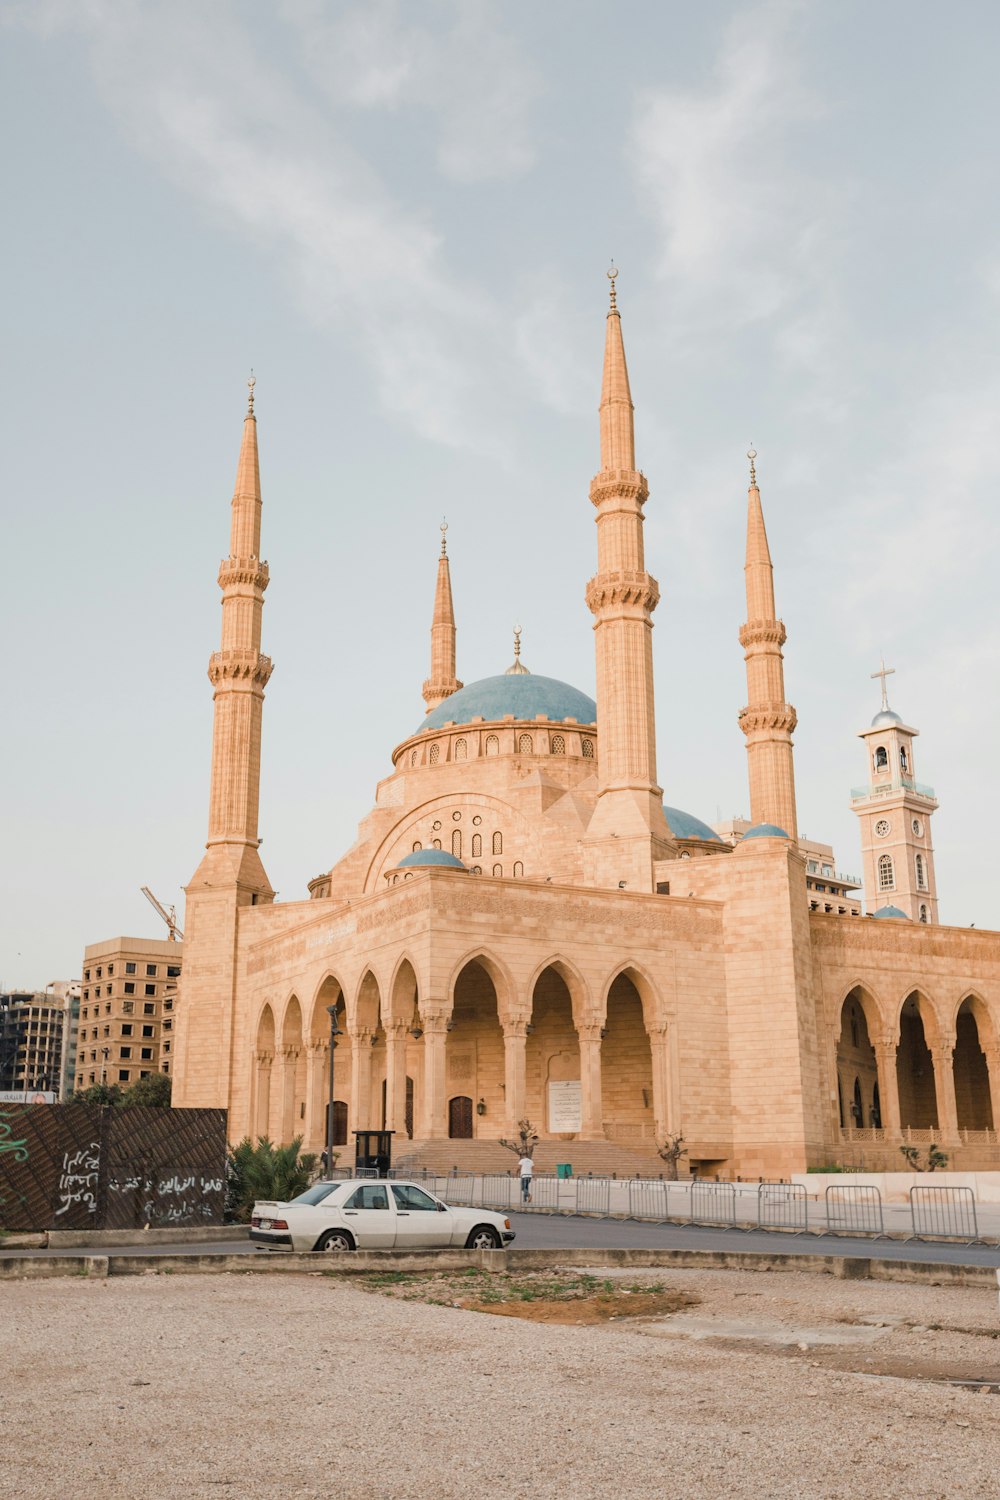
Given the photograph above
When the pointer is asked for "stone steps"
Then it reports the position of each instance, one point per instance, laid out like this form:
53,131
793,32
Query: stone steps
593,1158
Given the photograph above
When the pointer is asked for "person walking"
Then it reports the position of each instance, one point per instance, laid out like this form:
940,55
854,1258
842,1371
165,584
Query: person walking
526,1168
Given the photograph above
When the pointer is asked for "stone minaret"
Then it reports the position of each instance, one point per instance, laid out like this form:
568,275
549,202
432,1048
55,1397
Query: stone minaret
627,831
767,721
442,682
230,875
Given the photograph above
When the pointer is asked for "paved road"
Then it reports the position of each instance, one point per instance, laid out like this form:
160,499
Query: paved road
567,1232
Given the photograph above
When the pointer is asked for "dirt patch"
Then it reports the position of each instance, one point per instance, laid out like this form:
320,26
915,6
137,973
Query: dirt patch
584,1309
542,1297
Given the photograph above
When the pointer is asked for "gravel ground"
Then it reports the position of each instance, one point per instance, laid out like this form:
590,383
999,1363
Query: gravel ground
306,1386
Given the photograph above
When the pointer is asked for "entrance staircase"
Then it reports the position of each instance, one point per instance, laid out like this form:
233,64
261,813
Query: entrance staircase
588,1158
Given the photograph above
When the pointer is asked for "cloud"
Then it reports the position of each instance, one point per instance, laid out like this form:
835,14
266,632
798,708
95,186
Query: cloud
193,89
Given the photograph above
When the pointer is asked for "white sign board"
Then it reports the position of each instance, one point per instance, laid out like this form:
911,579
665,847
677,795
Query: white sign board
26,1096
564,1106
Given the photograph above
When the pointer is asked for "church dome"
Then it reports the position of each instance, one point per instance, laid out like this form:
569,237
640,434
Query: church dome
686,826
524,696
885,719
891,912
765,831
422,858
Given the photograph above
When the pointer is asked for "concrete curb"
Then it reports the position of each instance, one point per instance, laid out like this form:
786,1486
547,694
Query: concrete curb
847,1268
82,1239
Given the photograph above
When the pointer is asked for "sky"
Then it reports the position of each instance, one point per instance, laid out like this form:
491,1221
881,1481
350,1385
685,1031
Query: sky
400,216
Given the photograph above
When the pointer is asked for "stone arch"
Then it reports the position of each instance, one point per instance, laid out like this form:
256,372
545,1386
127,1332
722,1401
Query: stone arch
576,985
986,1023
974,1033
291,1118
918,1031
931,1014
627,1058
497,971
857,1062
644,987
263,1062
367,1008
329,991
879,1021
554,1083
474,1050
402,996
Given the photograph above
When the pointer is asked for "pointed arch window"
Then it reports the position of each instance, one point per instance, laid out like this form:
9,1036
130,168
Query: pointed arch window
436,844
588,749
904,760
498,843
492,745
518,870
435,754
558,744
524,744
416,846
923,914
881,758
461,749
456,843
477,845
921,873
413,757
886,873
498,871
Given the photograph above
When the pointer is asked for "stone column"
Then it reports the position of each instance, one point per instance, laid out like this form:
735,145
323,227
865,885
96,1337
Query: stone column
395,1077
289,1066
435,1115
665,1113
262,1096
314,1127
943,1053
515,1043
591,1102
888,1085
361,1078
992,1055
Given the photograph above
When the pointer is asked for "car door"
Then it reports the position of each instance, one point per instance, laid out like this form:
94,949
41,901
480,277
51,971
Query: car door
370,1217
420,1221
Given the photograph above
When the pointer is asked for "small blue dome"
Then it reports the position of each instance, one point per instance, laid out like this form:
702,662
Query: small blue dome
431,857
765,831
885,719
892,912
686,826
523,696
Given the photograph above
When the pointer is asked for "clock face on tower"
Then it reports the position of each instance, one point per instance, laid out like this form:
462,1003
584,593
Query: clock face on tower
882,827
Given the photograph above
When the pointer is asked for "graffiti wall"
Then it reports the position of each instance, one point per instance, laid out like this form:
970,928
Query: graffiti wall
88,1166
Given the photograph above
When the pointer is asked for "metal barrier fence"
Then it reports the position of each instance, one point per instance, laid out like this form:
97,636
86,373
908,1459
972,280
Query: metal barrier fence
593,1195
713,1202
545,1191
459,1189
498,1190
782,1205
944,1213
854,1210
647,1199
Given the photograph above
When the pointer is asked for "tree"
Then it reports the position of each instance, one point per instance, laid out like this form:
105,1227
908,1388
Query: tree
153,1091
524,1142
670,1148
936,1158
911,1156
265,1171
98,1093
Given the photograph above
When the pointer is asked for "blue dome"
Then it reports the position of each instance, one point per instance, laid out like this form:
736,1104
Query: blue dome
892,912
431,857
765,831
685,826
525,696
886,718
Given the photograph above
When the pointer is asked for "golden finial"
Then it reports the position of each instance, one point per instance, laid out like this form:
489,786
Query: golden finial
517,667
752,456
517,643
250,385
612,276
444,533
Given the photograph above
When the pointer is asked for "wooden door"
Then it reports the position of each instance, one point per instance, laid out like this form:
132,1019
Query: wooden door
460,1118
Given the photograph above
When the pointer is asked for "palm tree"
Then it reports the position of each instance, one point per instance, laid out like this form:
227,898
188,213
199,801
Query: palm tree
265,1171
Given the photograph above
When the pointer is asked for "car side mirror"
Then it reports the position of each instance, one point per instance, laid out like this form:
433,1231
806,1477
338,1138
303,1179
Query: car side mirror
442,1209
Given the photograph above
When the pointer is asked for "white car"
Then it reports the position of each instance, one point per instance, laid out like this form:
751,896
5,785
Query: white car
375,1215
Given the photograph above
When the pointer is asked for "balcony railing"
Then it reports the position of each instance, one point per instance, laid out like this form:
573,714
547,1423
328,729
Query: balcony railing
888,788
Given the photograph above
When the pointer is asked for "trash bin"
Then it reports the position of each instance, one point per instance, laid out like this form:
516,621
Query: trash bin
564,1169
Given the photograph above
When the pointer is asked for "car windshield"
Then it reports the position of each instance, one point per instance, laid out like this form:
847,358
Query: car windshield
316,1193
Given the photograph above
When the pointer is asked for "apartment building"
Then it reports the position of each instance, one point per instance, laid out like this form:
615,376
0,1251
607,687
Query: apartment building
127,999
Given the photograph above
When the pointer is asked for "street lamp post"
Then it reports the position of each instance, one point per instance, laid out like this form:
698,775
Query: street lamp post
335,1031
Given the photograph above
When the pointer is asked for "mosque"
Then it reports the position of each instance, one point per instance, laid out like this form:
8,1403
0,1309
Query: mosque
523,929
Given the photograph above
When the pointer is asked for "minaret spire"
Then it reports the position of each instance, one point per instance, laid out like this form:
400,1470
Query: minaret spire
767,721
627,831
442,682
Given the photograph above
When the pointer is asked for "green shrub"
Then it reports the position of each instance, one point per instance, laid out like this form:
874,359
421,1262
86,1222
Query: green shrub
266,1171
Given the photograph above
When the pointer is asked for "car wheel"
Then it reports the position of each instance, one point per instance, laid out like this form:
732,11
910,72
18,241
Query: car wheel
483,1237
335,1242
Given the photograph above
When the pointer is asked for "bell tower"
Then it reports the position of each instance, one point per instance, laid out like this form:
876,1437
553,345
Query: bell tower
895,812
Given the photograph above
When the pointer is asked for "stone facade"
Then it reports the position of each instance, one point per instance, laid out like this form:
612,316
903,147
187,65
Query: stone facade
522,929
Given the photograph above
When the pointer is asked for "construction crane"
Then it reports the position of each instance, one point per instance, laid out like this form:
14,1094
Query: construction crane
168,913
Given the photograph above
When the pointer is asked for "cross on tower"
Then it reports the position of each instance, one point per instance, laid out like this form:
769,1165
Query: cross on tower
884,672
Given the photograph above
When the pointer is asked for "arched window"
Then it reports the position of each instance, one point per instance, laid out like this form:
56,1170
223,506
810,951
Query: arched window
518,870
904,762
921,874
492,745
923,914
435,754
417,845
588,749
413,757
477,845
881,758
498,871
524,744
456,842
558,744
437,844
477,869
498,843
886,875
461,749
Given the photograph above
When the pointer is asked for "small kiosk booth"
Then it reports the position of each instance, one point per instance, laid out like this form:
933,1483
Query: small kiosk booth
373,1152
